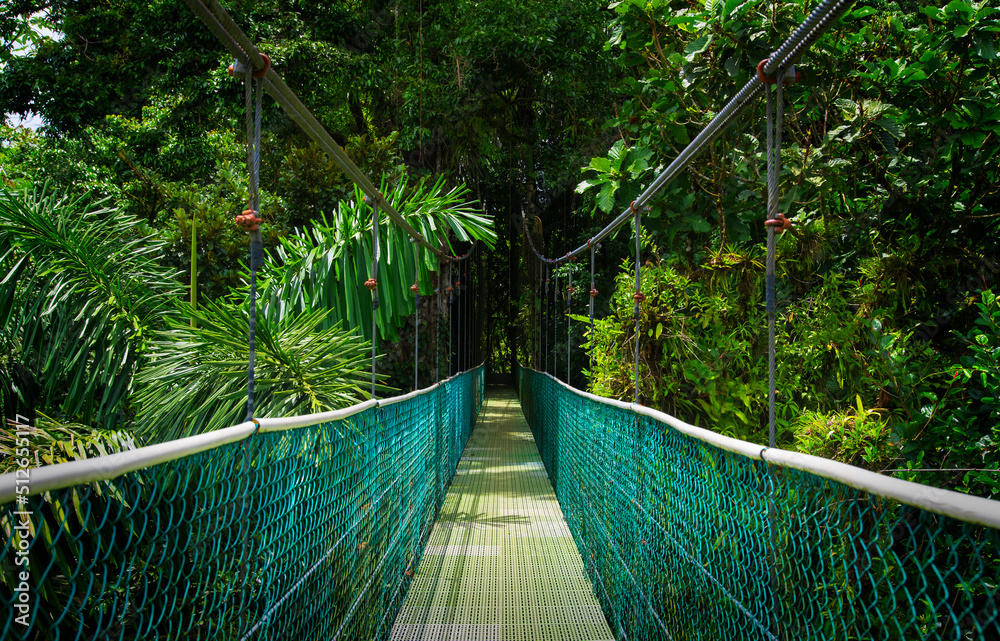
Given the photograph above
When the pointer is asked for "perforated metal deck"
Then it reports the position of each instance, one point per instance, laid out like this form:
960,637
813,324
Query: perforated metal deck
501,564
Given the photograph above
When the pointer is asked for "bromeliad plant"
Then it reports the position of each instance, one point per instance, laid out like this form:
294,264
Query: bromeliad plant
327,266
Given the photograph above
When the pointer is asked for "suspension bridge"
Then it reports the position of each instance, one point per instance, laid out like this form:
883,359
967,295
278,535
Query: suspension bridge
485,512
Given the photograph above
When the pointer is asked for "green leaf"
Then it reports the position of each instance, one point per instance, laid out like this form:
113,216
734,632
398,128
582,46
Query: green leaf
697,47
606,198
601,164
985,48
891,126
697,223
729,8
590,182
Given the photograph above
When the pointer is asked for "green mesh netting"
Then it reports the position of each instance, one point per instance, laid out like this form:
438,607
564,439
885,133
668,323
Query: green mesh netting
683,540
309,533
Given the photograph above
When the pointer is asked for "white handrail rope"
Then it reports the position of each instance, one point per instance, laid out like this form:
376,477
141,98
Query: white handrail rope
963,507
814,26
49,478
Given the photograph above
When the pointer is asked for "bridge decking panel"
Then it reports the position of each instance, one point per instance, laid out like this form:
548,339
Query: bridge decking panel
500,564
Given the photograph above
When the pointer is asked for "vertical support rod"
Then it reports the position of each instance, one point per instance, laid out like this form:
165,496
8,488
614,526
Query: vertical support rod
416,325
538,318
637,298
459,300
194,264
374,284
593,295
774,124
449,291
555,326
256,240
569,312
544,328
437,327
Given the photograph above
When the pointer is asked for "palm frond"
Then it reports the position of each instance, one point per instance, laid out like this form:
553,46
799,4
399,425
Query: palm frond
196,380
81,288
326,267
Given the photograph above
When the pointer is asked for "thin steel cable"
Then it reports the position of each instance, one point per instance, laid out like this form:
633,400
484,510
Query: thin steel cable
416,316
253,118
437,328
636,298
774,124
544,328
255,167
555,326
469,345
376,256
459,300
538,315
569,312
468,318
249,121
253,123
592,297
540,311
449,291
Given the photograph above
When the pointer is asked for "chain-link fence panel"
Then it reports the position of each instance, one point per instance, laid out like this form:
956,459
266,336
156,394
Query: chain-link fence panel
684,539
311,532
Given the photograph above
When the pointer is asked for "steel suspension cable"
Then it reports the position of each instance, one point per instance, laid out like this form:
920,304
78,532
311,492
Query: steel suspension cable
538,315
776,223
449,291
469,314
569,312
437,328
468,318
459,300
221,24
638,297
372,284
253,119
775,226
544,327
416,316
815,25
555,327
593,295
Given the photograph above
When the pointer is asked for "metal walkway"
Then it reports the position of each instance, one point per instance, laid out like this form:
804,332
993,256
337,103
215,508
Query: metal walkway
501,564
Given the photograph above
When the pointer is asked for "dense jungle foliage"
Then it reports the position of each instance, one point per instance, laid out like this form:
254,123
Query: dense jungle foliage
560,112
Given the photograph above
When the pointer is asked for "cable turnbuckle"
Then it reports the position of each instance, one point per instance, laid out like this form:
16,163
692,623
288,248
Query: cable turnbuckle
248,220
239,69
791,75
781,224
